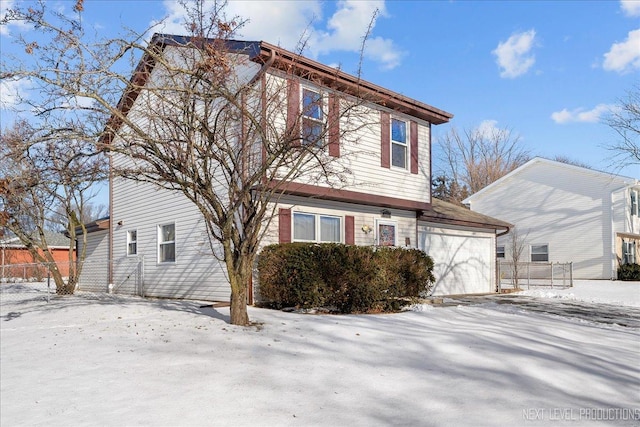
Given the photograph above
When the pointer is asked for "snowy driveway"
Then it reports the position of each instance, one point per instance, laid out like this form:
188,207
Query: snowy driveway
610,314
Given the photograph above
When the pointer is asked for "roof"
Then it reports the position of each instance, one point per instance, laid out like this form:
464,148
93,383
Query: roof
623,180
54,240
97,225
447,213
270,55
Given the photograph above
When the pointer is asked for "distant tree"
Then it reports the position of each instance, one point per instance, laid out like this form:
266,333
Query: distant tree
57,221
569,161
624,119
44,168
480,156
447,189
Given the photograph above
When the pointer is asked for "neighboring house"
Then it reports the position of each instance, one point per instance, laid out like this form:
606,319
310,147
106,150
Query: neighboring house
567,213
13,252
388,203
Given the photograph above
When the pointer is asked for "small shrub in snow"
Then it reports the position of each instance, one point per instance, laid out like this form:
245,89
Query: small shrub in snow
350,279
629,272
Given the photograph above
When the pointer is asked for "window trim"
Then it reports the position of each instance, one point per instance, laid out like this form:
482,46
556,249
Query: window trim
406,144
380,222
322,121
317,227
131,241
531,253
161,242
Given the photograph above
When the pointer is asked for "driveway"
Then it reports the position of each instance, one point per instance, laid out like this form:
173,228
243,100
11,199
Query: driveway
600,313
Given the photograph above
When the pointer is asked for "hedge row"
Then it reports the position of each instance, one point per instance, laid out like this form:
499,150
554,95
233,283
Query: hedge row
629,272
342,278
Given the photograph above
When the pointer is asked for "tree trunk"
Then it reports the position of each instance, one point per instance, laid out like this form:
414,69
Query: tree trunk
239,315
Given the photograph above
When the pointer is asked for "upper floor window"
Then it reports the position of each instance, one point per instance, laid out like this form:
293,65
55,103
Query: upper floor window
316,228
132,242
540,253
628,252
500,251
312,117
634,202
167,243
399,143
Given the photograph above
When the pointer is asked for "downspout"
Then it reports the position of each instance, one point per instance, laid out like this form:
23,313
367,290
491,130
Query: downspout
254,79
613,262
495,251
264,68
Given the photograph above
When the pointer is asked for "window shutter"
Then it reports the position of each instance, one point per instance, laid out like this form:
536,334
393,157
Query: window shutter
334,125
349,230
385,140
293,110
413,130
284,225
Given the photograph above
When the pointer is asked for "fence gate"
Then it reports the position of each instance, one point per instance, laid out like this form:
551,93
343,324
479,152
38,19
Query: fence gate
523,275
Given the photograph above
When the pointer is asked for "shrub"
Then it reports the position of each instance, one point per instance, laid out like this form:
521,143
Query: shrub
629,272
344,278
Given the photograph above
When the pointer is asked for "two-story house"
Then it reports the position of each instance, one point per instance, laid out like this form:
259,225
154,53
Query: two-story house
386,199
567,213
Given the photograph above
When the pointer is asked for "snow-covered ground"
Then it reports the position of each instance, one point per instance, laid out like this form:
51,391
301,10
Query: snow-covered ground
115,361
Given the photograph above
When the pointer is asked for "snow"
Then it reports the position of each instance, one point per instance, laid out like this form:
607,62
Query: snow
595,291
93,359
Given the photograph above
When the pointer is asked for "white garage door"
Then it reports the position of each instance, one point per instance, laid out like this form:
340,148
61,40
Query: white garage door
463,261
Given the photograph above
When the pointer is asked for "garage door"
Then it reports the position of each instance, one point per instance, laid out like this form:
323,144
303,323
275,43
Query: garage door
463,261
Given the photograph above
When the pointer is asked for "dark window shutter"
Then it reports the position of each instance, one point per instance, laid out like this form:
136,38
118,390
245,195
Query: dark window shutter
349,230
385,140
334,125
293,110
284,225
413,130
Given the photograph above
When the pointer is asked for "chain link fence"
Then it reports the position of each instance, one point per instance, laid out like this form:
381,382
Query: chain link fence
525,275
36,282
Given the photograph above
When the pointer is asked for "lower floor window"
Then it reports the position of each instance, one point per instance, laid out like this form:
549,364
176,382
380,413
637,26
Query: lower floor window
316,228
539,253
629,252
167,243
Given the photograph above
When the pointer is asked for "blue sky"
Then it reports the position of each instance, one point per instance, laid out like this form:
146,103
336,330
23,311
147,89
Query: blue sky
545,69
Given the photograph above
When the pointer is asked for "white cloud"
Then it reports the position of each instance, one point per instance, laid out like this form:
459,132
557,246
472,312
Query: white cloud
347,27
630,7
12,92
290,23
580,115
624,56
514,56
5,29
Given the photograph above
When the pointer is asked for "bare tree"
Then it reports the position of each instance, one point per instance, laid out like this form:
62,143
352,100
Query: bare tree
516,246
478,157
624,119
42,169
190,122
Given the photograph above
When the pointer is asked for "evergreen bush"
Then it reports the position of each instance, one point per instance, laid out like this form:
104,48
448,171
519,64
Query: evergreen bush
629,272
343,278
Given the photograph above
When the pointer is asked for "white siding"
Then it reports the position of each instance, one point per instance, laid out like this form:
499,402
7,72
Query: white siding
95,270
360,154
574,210
363,215
196,273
